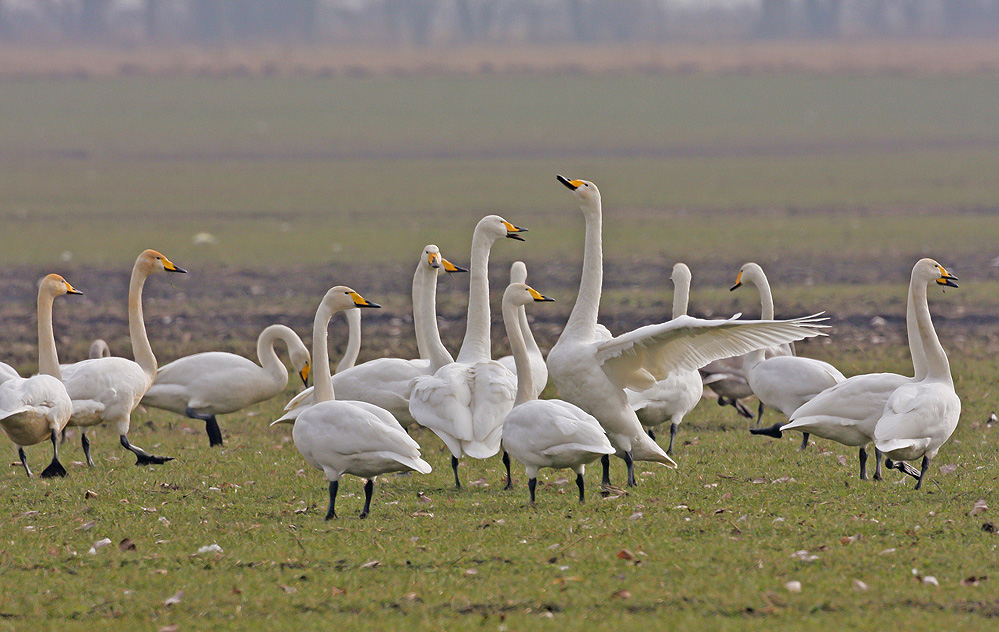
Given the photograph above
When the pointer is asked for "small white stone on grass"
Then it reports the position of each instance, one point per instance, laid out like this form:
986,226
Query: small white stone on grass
210,548
100,544
793,586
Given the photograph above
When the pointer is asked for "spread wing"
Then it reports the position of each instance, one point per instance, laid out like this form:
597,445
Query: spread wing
641,357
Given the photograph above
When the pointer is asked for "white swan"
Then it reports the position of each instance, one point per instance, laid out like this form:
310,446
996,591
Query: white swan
539,370
465,402
920,416
203,385
726,379
672,398
340,437
784,382
593,373
37,408
106,390
388,382
848,412
99,349
544,432
7,372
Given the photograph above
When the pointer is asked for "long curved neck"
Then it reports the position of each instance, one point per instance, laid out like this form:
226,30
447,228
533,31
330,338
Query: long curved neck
912,331
511,319
766,313
323,391
476,344
681,296
353,349
141,350
583,319
48,360
268,356
937,366
525,329
428,336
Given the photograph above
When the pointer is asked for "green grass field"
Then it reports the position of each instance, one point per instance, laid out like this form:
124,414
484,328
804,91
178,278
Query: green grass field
836,184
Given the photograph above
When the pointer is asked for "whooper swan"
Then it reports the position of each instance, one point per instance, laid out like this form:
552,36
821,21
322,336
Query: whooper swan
539,370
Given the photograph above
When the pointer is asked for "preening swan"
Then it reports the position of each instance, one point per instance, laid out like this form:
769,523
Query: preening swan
672,398
920,416
544,432
466,401
37,408
340,437
107,390
204,385
99,349
593,373
388,382
784,382
539,370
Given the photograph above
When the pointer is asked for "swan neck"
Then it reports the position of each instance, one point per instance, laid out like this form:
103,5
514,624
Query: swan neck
475,346
268,356
582,321
323,390
511,320
525,329
353,349
425,319
141,349
766,297
681,297
48,360
937,365
912,331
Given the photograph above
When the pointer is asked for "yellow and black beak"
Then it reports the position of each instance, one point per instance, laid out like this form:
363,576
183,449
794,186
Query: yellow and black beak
304,374
360,301
434,260
513,232
572,185
170,267
946,278
738,282
539,297
70,289
450,268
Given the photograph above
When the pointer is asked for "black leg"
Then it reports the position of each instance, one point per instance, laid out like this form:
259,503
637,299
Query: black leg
532,483
759,414
454,466
804,440
580,484
672,435
331,511
741,409
652,434
55,468
141,456
877,464
630,462
922,471
214,432
605,464
863,463
770,431
509,477
369,488
24,461
85,442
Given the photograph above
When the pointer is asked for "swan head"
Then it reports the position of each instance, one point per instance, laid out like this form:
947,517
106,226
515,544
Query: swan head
152,261
750,273
54,285
495,227
99,349
300,359
342,298
433,259
518,294
518,272
681,274
587,193
931,271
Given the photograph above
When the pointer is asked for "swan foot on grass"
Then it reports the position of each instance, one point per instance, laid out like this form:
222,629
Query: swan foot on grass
369,489
862,455
141,456
877,465
759,414
509,476
211,426
24,461
739,406
331,510
922,471
904,467
630,462
771,431
85,442
54,468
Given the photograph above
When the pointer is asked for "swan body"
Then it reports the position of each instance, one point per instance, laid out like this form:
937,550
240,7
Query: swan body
7,372
203,385
727,379
37,408
920,417
592,373
342,437
107,390
388,382
550,432
465,402
672,398
539,370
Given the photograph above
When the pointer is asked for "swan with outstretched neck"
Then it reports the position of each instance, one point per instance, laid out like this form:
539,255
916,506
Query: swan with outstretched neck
544,432
672,398
539,370
107,390
388,382
465,402
592,372
341,437
37,408
784,382
203,385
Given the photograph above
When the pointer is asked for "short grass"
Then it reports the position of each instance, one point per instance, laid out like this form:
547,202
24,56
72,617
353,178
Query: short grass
710,546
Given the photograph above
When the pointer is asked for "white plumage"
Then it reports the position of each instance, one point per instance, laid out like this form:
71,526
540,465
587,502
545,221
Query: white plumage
539,370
